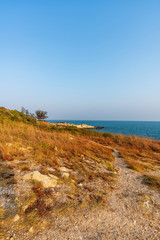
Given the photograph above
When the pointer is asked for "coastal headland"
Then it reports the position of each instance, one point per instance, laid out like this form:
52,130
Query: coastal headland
80,126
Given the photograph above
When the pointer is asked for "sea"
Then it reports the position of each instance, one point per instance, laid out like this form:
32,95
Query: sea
135,128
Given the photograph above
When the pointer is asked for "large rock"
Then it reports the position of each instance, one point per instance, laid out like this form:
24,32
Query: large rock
46,181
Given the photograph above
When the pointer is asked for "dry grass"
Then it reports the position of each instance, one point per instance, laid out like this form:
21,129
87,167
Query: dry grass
142,155
87,154
152,181
72,147
18,140
48,146
91,177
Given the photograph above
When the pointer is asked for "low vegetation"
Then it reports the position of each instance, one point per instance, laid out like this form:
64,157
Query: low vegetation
142,155
83,168
80,160
152,181
14,115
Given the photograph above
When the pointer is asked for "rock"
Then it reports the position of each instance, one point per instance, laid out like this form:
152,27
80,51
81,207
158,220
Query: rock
31,230
53,176
64,169
50,169
55,148
28,175
25,207
22,149
29,148
85,126
9,144
46,181
80,185
134,221
65,174
146,204
16,218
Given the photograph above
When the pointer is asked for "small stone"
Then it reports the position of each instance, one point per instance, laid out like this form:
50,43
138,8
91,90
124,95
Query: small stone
9,144
146,204
64,169
65,175
16,218
25,207
134,221
23,149
31,230
55,148
80,184
29,148
50,169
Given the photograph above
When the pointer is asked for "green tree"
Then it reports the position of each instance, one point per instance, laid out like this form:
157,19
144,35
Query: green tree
40,115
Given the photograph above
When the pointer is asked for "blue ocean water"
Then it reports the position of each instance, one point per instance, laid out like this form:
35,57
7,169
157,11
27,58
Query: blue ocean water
138,128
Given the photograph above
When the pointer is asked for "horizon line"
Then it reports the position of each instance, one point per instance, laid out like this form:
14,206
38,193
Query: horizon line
103,120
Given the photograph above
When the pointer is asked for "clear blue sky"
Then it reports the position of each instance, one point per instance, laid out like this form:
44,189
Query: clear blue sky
86,59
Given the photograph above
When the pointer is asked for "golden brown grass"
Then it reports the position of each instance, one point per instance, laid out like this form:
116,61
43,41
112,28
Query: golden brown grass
91,176
87,153
152,181
55,148
18,139
142,155
80,150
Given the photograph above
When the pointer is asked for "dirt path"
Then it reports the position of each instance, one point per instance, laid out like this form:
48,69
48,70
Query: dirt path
135,207
133,213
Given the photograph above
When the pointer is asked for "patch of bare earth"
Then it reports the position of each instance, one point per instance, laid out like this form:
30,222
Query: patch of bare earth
133,212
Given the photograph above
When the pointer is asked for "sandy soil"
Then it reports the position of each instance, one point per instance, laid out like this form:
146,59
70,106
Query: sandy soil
133,212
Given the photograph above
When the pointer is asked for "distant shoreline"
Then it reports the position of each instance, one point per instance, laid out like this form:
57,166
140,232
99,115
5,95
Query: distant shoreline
82,126
147,129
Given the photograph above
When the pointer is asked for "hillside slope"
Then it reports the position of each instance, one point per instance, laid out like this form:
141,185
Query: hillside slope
49,174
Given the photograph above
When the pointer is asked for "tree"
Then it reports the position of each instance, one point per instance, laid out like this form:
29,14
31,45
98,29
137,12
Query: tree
40,115
23,110
27,113
32,115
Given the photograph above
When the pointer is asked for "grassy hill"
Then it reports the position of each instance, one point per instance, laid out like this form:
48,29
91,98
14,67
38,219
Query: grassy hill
15,115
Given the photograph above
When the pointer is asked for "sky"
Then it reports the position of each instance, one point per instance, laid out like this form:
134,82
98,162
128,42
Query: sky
81,60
